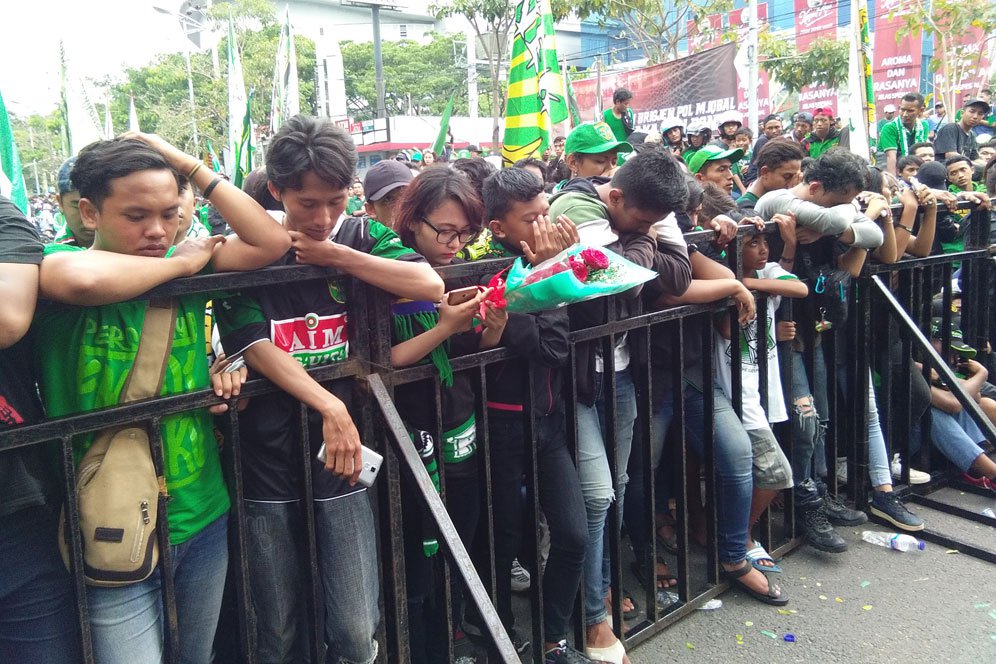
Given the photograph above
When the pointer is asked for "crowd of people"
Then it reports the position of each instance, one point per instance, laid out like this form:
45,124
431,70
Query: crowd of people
132,222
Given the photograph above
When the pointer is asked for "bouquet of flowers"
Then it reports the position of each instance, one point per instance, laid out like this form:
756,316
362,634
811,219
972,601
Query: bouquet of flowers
576,274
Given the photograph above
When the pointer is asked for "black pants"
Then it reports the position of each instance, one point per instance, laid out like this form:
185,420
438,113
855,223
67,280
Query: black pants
560,497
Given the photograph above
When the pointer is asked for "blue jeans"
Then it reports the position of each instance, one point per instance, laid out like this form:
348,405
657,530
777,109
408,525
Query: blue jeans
733,457
597,483
348,566
956,436
37,608
127,622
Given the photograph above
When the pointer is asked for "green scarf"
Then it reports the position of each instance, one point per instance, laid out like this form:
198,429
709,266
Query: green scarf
920,131
408,314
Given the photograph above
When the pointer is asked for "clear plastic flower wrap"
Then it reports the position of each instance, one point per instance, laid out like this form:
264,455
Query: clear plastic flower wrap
576,274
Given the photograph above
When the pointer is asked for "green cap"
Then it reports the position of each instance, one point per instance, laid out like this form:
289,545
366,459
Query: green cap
463,154
594,138
712,153
957,338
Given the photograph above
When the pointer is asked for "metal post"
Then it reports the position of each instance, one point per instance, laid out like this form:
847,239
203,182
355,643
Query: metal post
752,66
598,88
378,63
190,94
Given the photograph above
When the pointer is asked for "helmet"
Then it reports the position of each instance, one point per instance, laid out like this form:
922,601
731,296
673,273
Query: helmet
670,123
729,116
698,128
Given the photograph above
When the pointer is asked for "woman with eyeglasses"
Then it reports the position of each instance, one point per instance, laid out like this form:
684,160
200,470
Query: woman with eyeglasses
439,213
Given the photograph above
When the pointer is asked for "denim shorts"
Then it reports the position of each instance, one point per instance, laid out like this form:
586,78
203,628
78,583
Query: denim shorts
772,470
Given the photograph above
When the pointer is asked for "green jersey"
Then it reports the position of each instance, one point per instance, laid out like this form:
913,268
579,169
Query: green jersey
84,355
621,127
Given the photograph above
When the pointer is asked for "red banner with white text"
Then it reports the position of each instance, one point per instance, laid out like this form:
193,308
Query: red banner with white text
815,19
896,64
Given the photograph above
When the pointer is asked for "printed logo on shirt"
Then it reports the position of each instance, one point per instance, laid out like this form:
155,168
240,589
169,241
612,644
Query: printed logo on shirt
748,346
336,291
461,442
312,339
9,414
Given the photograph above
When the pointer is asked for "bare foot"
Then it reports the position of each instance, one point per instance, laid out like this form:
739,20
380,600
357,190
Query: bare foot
754,579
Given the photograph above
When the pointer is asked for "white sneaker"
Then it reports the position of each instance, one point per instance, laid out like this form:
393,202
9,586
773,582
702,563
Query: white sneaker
520,577
916,476
841,470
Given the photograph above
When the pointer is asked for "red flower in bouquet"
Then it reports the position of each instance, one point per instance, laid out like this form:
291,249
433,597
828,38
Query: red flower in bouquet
549,271
579,268
595,259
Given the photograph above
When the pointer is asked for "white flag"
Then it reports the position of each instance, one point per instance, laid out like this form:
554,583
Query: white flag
108,125
132,116
236,106
286,98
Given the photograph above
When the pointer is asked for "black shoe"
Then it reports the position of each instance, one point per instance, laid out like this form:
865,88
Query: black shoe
818,532
564,654
838,513
886,505
519,642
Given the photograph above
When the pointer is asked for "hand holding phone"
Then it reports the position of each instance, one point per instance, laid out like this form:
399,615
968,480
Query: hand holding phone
461,295
372,462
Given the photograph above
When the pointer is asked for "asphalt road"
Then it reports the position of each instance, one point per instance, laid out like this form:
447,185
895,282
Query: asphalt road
869,605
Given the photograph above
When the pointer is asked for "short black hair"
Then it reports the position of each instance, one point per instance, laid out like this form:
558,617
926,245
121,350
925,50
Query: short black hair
622,94
777,151
874,179
921,144
914,97
951,161
306,144
715,201
771,117
694,194
652,181
908,160
838,169
502,189
534,163
476,170
254,184
102,162
744,131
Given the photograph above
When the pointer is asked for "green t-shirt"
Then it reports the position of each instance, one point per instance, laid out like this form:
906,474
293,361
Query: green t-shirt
353,204
83,356
579,207
618,128
818,147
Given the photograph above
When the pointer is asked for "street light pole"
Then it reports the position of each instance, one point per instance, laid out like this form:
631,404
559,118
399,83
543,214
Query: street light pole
193,105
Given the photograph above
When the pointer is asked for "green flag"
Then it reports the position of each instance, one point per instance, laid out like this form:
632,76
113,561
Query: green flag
444,127
535,83
215,164
572,102
11,176
244,149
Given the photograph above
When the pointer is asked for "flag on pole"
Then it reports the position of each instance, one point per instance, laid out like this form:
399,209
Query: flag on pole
80,121
535,83
243,151
108,124
235,153
572,102
215,164
132,115
444,126
11,175
286,99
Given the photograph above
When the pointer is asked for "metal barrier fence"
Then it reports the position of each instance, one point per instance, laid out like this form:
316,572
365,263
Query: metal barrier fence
698,570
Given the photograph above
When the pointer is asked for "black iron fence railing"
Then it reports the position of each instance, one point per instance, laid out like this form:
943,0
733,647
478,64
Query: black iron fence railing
899,294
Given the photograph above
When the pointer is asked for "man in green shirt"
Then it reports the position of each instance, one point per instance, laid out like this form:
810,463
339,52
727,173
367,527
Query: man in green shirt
85,354
824,135
620,117
355,204
73,232
714,164
897,136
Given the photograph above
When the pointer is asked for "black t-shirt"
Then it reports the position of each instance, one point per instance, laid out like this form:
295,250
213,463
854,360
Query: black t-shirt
308,321
950,138
26,473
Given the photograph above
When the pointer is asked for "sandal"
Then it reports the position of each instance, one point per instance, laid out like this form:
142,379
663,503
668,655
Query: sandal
757,555
735,576
640,572
670,543
614,654
635,611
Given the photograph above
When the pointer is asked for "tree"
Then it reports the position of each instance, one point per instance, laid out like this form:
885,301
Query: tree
825,62
953,24
657,26
420,77
40,144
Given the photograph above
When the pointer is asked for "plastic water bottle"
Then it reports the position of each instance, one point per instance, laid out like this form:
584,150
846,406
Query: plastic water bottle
893,540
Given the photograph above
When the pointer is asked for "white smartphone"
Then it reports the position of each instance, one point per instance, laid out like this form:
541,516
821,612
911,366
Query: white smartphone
371,464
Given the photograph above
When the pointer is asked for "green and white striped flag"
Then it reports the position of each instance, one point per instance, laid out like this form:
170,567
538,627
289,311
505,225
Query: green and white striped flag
11,175
286,99
244,149
237,153
535,83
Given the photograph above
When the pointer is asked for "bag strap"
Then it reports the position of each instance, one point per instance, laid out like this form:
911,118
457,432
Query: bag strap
148,370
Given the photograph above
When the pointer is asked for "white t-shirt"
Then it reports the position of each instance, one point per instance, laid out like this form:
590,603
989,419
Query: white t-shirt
752,413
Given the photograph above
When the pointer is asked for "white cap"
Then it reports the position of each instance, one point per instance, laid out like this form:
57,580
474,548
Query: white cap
889,108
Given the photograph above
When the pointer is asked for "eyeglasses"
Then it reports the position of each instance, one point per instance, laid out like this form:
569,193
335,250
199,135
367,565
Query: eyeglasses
447,237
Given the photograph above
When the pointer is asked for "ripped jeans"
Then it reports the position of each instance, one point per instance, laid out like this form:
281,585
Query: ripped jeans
808,430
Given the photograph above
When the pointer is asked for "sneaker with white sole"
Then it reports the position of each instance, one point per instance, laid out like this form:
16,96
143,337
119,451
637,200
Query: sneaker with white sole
520,577
841,470
916,476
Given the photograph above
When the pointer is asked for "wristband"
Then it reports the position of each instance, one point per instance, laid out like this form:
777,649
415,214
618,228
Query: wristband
899,224
190,175
208,189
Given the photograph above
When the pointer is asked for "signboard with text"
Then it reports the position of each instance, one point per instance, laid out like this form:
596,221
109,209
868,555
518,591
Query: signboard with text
815,19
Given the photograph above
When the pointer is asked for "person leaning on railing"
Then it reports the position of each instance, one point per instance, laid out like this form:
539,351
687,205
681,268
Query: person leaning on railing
310,165
38,620
130,198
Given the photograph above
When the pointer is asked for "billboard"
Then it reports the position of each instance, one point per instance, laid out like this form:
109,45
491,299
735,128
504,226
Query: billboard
815,19
895,65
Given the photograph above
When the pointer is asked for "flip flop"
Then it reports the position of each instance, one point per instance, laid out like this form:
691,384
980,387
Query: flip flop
770,597
635,611
614,654
757,555
640,573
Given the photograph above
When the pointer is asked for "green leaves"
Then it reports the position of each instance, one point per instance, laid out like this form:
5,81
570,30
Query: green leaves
825,62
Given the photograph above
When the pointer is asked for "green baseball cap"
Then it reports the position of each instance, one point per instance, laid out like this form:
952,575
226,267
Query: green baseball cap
957,338
712,153
594,138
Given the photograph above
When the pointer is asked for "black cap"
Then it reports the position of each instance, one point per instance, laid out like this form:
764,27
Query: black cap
977,102
473,148
384,177
933,174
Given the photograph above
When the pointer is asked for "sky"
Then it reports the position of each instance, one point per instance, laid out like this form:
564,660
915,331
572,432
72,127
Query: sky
102,37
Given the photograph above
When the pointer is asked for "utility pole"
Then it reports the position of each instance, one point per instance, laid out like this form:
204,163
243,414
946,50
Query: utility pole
472,95
598,88
378,63
752,83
